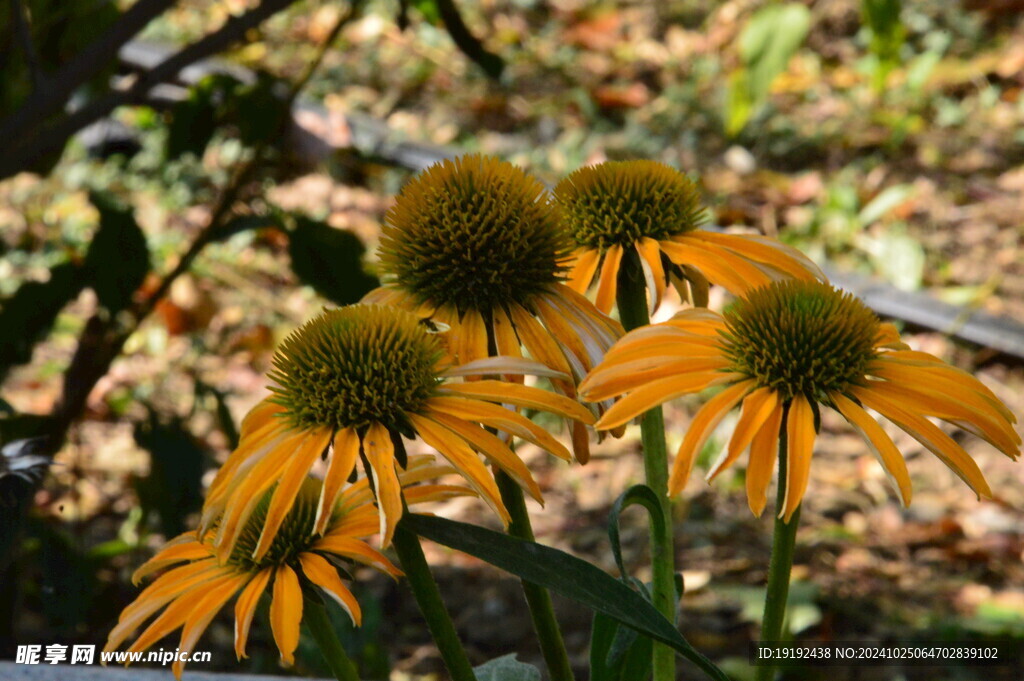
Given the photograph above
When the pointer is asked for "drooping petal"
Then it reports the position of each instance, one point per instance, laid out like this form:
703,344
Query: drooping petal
650,259
608,283
658,392
286,613
757,407
622,377
703,424
733,274
929,435
380,453
504,365
463,458
522,396
357,550
202,614
472,338
325,576
499,417
491,447
763,453
173,552
245,608
583,269
800,437
288,487
538,341
179,609
343,461
881,444
762,249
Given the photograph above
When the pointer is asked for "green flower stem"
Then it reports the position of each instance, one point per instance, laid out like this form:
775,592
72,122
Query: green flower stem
319,624
783,543
538,599
424,588
632,303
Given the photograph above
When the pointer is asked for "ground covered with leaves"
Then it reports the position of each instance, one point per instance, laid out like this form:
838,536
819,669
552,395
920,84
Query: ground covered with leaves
890,150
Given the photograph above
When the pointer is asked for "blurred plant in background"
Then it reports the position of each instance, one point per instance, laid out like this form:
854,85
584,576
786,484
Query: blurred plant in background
150,263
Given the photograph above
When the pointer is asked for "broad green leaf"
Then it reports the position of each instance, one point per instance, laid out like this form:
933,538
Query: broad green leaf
330,260
506,668
118,258
562,573
28,316
615,655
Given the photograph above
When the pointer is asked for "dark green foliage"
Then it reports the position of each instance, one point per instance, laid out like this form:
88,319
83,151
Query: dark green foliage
118,259
561,573
27,316
330,260
194,120
173,488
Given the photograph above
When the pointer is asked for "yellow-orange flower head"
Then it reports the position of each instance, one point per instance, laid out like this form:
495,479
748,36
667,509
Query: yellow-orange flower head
783,352
621,202
616,208
474,245
354,366
800,337
473,233
350,384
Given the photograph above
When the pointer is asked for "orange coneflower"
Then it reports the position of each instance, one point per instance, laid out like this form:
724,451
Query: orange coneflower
350,383
780,352
473,243
199,582
615,208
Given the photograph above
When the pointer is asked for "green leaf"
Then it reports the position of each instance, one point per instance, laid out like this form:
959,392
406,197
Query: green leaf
640,495
738,105
330,260
558,571
506,668
888,199
27,317
769,40
118,258
618,653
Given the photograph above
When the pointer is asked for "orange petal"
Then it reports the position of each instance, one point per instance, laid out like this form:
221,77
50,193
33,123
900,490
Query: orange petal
288,487
471,343
491,447
343,461
538,341
606,287
658,392
357,550
499,417
202,614
325,576
703,424
763,249
881,445
800,437
583,269
625,376
522,396
734,274
929,435
245,608
286,613
650,257
380,453
763,452
757,407
464,459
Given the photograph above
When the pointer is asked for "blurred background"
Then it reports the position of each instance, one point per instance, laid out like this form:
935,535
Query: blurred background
183,183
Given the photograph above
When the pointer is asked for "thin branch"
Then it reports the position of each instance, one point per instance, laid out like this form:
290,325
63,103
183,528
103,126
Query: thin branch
54,136
102,341
19,20
47,101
